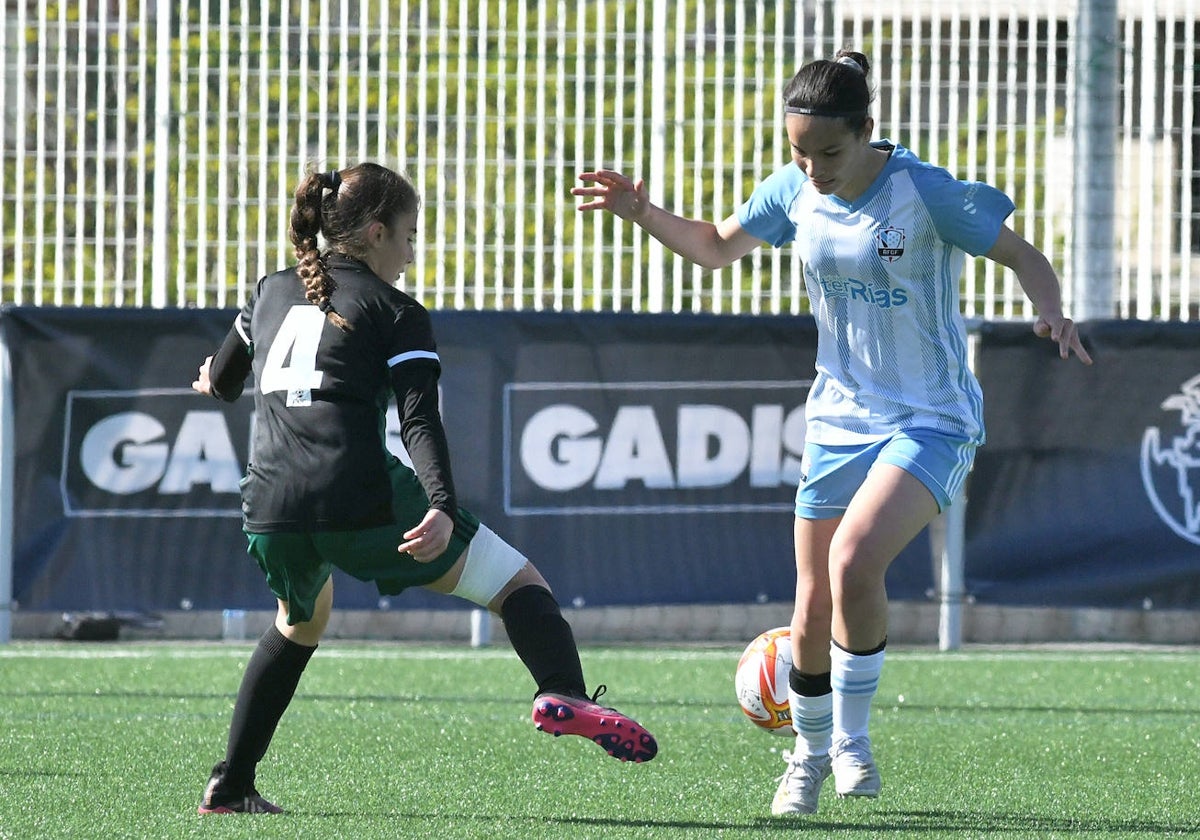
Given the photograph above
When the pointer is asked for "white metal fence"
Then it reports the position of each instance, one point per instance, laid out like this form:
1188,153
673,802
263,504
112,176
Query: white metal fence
149,149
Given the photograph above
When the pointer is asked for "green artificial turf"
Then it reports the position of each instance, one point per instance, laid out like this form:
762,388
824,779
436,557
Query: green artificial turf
115,740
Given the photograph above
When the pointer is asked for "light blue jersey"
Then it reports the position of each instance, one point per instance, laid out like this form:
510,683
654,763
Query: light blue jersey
882,274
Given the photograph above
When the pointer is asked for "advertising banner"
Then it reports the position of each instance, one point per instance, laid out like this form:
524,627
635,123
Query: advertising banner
1087,492
125,480
636,459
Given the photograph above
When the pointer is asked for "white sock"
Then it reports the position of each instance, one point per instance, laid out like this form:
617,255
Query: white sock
855,680
812,720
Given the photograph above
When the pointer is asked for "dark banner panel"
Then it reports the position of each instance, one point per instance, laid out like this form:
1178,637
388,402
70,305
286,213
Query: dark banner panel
125,481
639,458
1088,490
634,458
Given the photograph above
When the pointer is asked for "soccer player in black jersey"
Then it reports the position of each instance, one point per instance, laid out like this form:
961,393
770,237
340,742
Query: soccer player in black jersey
327,340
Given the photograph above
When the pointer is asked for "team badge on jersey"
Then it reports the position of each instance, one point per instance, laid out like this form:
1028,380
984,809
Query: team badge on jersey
889,243
299,397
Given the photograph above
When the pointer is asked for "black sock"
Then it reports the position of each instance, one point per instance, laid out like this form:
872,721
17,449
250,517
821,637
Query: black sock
809,685
543,639
268,684
869,652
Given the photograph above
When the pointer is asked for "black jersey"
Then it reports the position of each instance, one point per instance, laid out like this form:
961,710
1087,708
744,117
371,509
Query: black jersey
318,459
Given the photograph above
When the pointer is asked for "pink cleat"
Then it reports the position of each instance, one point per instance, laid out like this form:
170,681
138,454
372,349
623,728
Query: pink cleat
619,735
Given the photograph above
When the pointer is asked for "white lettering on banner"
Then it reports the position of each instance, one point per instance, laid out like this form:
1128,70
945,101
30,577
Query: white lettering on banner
770,464
556,450
635,451
559,450
119,460
119,454
125,454
701,465
572,460
203,454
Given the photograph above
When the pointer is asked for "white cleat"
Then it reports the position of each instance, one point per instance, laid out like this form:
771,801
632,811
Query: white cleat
800,784
854,770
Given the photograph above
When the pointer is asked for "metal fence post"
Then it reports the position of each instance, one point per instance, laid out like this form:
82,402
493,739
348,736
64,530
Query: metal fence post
163,150
655,281
1093,272
7,456
951,577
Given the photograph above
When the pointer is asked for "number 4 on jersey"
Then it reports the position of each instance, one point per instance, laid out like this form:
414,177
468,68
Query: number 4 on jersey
291,363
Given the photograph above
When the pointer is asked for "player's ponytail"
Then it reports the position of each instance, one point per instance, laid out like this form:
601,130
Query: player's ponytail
341,206
312,195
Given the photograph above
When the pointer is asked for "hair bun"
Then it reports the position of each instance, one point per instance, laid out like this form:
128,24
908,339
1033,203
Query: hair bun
851,61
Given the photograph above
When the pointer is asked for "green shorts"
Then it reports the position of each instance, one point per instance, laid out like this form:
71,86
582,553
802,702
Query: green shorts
297,564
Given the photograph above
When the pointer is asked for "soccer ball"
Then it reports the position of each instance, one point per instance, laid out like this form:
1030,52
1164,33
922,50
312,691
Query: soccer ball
762,680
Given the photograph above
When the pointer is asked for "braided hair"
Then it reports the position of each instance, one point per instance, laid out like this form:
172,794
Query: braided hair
341,205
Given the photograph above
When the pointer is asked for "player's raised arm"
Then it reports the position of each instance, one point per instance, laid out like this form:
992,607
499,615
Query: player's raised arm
708,244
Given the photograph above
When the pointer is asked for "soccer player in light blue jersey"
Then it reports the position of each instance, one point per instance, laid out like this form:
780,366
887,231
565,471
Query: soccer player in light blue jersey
895,413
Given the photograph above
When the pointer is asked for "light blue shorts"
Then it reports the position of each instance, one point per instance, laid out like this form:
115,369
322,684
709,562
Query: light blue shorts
831,475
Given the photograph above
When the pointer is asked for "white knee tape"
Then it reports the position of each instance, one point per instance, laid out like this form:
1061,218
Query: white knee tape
490,564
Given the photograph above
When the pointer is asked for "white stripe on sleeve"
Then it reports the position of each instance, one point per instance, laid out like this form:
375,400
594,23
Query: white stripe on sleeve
412,354
237,324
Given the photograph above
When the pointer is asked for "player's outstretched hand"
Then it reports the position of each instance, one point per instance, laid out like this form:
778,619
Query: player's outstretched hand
613,192
1064,332
429,539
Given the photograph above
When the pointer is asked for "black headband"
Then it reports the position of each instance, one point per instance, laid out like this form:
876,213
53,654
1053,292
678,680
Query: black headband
335,180
821,112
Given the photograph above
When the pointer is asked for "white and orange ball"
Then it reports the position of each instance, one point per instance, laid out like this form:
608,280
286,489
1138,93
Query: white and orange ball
761,680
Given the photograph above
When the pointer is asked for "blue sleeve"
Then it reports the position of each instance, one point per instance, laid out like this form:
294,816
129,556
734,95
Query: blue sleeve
967,214
766,214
